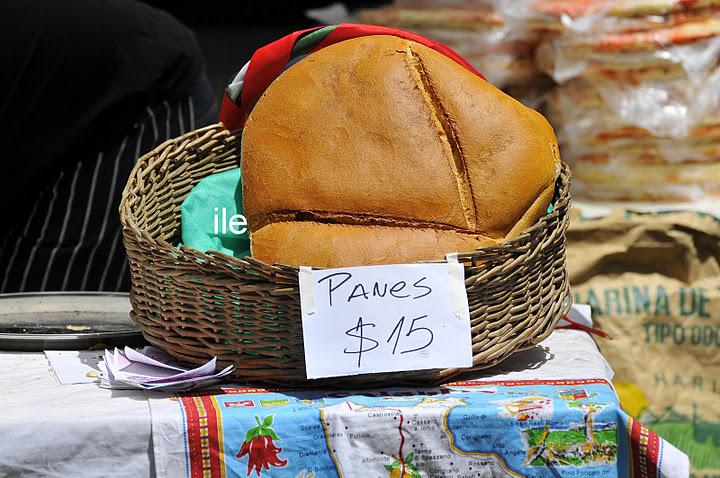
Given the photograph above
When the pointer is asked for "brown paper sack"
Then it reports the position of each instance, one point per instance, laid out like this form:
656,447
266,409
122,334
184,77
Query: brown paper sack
653,281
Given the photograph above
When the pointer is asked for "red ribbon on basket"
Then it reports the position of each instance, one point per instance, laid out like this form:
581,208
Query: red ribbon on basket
271,60
585,328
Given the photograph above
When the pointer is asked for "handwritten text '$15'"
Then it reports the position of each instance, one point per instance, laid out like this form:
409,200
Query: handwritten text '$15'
422,336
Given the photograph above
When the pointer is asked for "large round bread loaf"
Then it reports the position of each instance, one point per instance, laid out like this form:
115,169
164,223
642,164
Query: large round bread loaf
380,150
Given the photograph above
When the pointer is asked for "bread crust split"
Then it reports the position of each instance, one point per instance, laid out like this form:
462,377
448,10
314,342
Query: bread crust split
380,150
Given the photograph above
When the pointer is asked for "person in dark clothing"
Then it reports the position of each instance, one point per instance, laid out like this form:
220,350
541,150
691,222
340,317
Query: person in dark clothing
88,86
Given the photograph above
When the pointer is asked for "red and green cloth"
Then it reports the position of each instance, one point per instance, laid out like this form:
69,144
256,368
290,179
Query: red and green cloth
271,60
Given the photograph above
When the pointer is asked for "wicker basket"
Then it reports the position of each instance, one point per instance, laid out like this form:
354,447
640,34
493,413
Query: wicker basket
196,306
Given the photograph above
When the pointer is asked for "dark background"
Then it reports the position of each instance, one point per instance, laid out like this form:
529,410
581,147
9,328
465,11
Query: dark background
230,31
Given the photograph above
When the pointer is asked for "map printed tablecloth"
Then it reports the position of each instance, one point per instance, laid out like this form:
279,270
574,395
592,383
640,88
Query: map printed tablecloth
479,428
50,429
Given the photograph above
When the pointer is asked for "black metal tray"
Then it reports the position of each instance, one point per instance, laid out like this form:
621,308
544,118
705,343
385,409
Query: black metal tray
66,321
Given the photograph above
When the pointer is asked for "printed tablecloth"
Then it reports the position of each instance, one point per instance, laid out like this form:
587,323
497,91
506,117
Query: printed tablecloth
49,429
498,426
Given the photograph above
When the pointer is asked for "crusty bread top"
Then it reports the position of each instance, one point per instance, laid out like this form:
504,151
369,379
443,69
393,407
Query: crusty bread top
380,130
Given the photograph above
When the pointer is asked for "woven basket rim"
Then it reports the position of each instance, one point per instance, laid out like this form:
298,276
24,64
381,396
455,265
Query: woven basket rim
129,224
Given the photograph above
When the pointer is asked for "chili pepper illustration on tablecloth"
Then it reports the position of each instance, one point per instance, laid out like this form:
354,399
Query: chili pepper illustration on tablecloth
259,446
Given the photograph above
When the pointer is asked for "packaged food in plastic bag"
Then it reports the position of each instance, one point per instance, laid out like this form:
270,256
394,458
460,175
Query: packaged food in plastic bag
480,17
627,181
585,111
687,50
477,32
550,18
651,152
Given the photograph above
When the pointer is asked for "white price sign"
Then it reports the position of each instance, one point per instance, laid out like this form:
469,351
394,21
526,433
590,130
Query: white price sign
387,318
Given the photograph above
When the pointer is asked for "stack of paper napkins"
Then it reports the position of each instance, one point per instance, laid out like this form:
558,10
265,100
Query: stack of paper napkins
153,369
